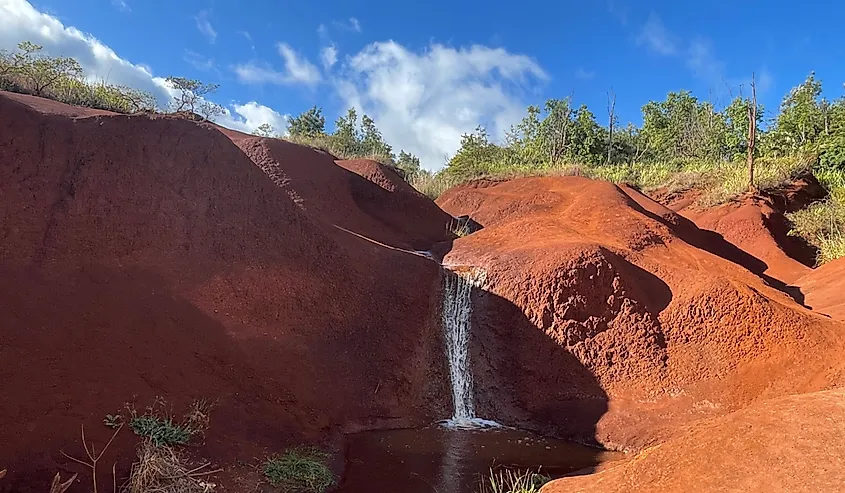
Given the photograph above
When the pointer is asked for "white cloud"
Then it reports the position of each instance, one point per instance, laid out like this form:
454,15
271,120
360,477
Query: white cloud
328,56
582,73
205,26
656,37
247,117
424,102
19,20
121,5
298,70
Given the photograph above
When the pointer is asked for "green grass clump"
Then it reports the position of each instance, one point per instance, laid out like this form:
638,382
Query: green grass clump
160,430
300,470
512,481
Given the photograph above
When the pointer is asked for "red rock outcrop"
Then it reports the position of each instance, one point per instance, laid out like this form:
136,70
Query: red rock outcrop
147,256
607,318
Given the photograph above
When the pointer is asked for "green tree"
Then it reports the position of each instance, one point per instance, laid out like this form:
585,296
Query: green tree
408,163
309,123
346,136
801,118
372,142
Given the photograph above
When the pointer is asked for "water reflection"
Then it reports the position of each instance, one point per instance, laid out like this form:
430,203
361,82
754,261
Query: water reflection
437,460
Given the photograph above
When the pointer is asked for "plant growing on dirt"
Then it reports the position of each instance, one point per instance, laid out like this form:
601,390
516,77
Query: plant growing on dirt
300,470
93,459
161,469
163,430
113,421
512,481
191,95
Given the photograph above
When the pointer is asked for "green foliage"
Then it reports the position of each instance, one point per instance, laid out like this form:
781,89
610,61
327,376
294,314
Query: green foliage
162,431
408,163
300,470
822,224
310,123
511,481
28,70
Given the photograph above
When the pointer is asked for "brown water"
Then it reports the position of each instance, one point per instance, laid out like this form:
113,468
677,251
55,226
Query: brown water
439,460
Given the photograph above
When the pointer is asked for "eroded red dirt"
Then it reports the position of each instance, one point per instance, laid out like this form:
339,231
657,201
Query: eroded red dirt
146,256
793,444
757,225
824,289
609,319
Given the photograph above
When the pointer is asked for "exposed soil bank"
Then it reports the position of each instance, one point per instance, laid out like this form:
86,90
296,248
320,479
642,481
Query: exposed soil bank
148,256
610,318
793,444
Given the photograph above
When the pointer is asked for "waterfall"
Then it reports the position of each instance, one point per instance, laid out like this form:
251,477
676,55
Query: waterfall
457,312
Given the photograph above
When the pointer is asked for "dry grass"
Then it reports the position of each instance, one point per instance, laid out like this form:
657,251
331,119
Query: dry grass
159,469
512,481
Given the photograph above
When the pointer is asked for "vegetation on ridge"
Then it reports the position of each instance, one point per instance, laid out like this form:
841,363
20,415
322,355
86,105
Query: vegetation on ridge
683,142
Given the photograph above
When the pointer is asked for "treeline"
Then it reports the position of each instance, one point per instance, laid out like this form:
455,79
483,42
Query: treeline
678,129
349,140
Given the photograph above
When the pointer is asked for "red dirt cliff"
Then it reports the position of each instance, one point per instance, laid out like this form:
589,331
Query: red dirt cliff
146,256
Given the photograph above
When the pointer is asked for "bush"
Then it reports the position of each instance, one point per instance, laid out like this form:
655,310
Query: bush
300,470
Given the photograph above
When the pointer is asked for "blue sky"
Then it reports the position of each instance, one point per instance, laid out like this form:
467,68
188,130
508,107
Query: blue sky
428,72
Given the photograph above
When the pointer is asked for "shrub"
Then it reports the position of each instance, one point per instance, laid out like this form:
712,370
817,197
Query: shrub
300,470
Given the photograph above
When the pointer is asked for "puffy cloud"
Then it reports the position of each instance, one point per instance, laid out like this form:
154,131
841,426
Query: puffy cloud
424,102
19,21
298,70
205,27
247,117
329,56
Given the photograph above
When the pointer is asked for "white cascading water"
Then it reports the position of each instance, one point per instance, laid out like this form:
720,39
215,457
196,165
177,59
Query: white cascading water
457,312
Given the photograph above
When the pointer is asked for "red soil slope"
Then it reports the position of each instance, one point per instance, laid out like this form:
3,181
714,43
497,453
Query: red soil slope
824,289
606,318
793,444
757,226
356,196
144,256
